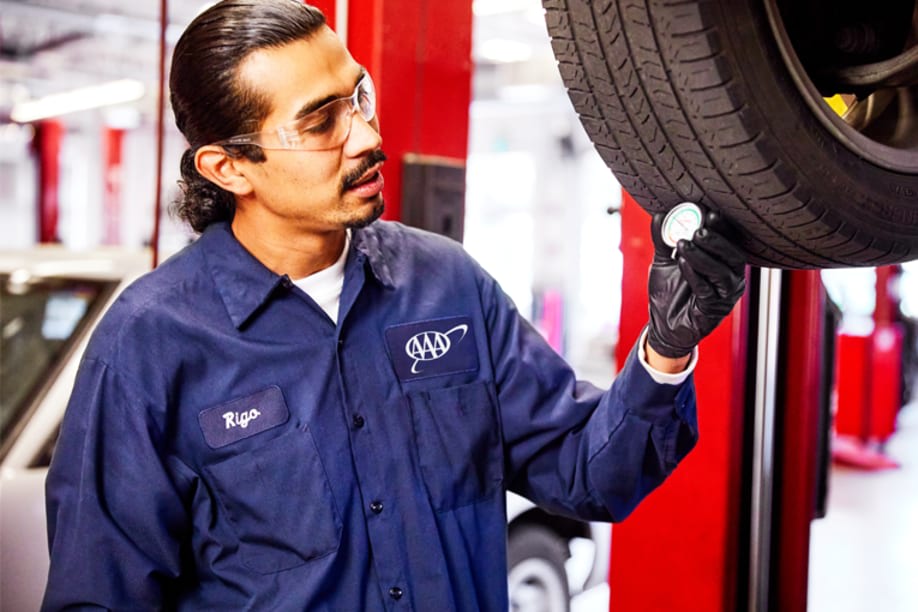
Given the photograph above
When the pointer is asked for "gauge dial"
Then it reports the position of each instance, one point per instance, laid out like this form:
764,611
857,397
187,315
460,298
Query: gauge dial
680,223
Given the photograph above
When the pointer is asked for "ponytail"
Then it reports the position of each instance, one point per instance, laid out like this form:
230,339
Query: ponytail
201,202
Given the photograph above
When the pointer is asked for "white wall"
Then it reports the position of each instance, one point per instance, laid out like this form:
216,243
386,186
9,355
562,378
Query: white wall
18,188
82,219
536,202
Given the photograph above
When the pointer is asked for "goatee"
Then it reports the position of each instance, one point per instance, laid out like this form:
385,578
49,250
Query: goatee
375,213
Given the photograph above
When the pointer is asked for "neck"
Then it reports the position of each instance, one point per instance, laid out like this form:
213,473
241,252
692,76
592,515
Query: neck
286,249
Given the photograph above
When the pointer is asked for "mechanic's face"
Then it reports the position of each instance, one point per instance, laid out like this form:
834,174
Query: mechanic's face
315,190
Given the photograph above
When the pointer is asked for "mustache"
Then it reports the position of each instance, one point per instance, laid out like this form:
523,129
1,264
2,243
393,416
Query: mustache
351,178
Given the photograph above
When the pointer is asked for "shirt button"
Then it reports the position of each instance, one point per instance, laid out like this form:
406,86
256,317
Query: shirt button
395,593
359,421
376,506
286,282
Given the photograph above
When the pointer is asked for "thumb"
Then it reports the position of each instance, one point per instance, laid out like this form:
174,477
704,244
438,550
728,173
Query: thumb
661,249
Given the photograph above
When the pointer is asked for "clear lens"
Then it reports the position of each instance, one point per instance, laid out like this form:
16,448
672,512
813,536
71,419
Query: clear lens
329,126
366,98
325,128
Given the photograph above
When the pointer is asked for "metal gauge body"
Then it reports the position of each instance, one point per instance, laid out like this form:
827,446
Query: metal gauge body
681,222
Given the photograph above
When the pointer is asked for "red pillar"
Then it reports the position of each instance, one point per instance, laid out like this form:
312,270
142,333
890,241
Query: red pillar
328,8
112,143
854,385
678,550
869,379
419,53
797,438
886,394
886,397
420,56
48,143
886,305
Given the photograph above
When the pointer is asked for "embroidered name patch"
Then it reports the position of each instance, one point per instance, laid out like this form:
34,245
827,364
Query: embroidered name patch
432,348
243,417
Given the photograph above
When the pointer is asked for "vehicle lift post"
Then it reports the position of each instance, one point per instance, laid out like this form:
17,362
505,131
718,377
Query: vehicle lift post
729,530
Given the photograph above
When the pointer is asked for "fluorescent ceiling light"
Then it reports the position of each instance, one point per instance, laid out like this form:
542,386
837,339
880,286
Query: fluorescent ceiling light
84,98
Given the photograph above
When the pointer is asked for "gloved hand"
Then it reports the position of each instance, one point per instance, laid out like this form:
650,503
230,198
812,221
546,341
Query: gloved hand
691,294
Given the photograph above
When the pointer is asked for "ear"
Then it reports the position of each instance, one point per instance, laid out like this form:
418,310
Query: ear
216,165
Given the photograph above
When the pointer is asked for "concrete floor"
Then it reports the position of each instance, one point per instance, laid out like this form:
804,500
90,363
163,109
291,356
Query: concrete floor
864,553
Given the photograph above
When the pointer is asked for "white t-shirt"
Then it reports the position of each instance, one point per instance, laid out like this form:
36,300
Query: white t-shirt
324,286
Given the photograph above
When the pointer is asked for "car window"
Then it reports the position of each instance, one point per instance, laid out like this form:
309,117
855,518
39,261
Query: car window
40,321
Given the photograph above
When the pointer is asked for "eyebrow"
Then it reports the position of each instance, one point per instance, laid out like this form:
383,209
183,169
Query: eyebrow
317,104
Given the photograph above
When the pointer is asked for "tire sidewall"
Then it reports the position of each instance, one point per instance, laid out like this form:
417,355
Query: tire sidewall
535,551
799,137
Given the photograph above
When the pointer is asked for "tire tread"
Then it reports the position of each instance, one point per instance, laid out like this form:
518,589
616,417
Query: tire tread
669,114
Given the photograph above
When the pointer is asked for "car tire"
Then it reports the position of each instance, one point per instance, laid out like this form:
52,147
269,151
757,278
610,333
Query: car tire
537,578
707,101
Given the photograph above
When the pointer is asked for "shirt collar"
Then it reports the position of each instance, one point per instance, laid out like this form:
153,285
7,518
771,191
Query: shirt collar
245,284
366,242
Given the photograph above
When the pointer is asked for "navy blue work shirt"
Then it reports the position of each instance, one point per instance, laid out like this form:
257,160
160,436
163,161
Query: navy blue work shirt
228,446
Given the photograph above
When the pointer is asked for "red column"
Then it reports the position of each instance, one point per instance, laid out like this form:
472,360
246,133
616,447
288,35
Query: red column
853,382
886,369
112,145
886,304
678,550
420,56
869,382
886,346
419,53
328,8
48,143
797,438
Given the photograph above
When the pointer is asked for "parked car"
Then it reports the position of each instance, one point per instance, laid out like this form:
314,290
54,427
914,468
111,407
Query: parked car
50,300
555,564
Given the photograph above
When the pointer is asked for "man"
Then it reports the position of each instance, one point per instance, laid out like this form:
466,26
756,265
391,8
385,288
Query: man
309,409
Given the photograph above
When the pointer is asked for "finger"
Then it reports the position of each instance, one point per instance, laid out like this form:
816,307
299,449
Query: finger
715,271
707,302
700,286
717,224
719,247
656,234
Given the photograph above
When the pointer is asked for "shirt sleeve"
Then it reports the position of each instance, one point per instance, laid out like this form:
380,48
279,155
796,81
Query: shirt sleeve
665,378
571,448
114,516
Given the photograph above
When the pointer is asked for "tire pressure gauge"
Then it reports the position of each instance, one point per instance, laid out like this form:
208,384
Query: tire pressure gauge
680,223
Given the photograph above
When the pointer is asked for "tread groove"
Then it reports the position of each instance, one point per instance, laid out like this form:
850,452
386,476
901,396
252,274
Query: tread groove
674,118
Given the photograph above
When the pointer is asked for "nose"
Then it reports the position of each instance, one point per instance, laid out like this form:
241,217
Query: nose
364,136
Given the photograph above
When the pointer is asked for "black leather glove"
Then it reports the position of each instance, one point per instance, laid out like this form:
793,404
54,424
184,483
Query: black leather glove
691,293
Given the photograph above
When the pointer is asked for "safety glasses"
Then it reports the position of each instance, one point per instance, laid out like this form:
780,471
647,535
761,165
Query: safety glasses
327,127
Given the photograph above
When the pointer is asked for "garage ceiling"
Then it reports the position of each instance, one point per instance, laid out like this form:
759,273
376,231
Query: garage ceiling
51,46
54,46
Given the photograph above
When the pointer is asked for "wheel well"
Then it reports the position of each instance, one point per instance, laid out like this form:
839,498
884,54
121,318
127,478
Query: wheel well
834,33
564,527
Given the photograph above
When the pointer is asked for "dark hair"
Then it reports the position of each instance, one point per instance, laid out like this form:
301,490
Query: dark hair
209,101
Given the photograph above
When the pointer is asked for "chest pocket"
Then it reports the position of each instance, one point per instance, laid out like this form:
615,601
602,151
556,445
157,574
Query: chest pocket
279,503
459,443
